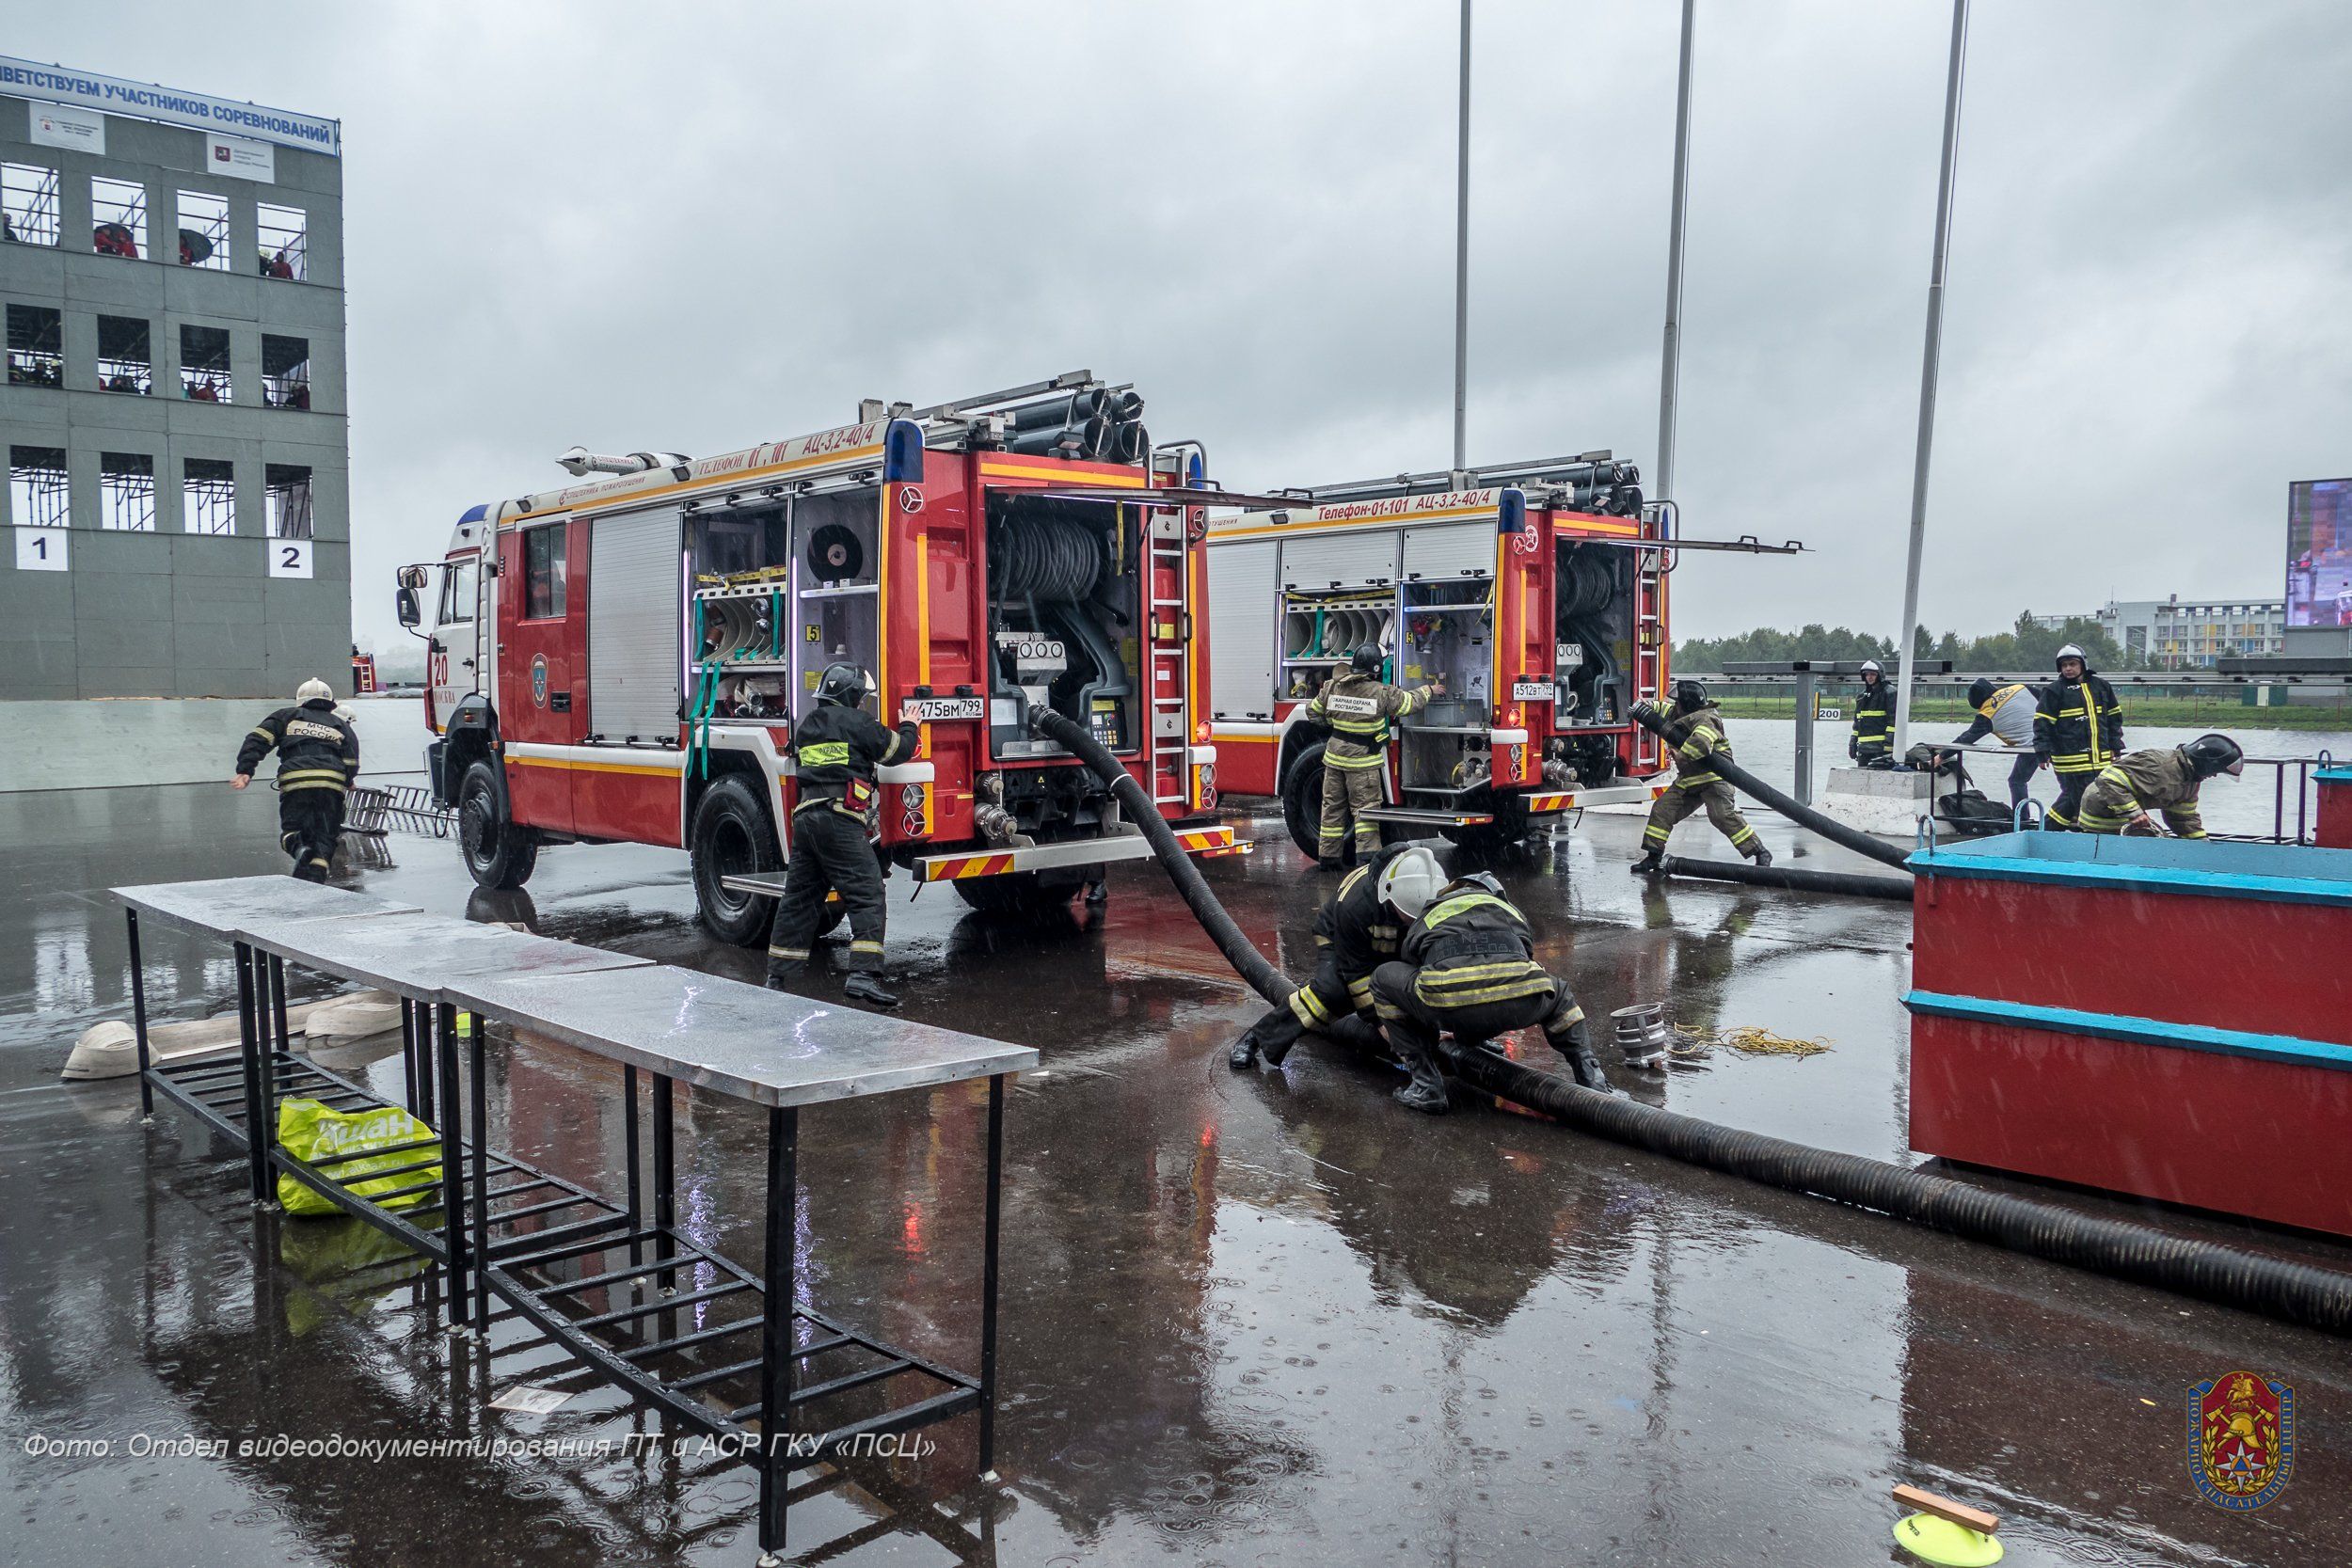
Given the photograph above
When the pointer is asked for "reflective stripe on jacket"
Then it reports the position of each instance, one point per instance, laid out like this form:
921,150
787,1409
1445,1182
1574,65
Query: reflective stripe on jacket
1358,930
1699,736
1874,716
835,752
1471,946
317,748
1358,708
2160,779
2078,724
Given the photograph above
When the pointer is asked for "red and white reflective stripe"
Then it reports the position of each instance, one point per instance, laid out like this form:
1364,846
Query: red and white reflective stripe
1205,840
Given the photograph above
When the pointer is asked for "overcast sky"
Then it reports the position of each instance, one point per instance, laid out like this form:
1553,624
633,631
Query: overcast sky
701,226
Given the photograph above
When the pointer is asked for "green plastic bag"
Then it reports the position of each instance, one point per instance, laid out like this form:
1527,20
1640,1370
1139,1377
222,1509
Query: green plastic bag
312,1132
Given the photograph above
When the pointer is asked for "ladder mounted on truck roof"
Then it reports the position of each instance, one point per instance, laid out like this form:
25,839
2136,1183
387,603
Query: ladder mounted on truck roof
1595,473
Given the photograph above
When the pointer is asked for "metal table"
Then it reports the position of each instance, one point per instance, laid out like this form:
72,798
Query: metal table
777,1051
782,1053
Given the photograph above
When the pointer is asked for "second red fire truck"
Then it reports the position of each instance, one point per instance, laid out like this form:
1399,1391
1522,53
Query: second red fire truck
622,660
1537,590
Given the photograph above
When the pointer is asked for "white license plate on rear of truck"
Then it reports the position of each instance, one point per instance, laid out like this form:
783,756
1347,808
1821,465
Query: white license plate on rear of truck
928,709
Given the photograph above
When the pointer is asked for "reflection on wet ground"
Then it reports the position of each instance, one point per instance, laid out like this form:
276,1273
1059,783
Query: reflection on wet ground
1264,1318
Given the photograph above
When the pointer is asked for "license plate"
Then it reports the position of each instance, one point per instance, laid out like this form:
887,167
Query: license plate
930,709
1532,691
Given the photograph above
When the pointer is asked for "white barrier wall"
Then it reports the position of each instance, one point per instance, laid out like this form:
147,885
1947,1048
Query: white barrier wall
164,740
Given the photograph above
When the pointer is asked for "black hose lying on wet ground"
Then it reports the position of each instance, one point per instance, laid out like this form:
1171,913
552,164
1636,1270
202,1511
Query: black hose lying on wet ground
2296,1292
1791,877
1828,827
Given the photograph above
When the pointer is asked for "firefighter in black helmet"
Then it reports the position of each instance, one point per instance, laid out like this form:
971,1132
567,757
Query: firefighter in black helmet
1696,730
2077,730
1359,708
1873,743
835,752
2163,779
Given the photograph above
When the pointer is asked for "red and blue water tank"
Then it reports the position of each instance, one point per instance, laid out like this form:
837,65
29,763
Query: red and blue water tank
2164,1018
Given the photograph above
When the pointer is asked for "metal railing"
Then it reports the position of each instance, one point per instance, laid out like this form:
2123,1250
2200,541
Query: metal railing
378,809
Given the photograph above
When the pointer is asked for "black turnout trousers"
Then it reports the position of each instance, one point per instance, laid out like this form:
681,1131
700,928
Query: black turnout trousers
309,822
829,854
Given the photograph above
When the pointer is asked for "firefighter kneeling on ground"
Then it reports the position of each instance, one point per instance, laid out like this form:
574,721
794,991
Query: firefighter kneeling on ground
835,752
1467,968
1359,929
1357,706
1696,730
318,756
1873,743
2162,779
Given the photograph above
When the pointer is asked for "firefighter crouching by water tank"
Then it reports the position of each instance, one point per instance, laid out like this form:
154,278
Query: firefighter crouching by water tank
1359,929
318,756
2163,779
1873,743
2077,730
1358,707
835,752
1467,968
1696,731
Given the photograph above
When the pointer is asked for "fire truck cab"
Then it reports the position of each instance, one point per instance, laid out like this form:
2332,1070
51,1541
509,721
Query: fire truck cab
1537,590
624,660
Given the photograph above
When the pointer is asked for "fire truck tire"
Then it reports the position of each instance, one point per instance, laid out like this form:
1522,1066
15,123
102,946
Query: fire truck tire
1017,894
731,835
1302,801
499,853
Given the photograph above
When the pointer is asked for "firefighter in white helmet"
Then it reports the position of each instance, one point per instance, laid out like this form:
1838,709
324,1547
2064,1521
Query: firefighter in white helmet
1356,933
318,756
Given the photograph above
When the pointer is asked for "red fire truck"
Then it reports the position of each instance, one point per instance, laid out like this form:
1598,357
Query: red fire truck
1537,590
622,660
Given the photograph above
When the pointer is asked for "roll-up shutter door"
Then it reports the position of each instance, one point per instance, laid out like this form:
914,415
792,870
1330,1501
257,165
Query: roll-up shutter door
1242,600
635,581
1456,550
1348,560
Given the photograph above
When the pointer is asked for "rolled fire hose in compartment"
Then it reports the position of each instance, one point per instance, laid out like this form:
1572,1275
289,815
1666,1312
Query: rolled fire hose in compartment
2296,1292
1061,595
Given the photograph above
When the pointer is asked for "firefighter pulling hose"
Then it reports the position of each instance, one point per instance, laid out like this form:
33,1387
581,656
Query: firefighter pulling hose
2295,1292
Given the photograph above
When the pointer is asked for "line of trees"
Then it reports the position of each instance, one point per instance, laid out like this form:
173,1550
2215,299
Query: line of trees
2027,646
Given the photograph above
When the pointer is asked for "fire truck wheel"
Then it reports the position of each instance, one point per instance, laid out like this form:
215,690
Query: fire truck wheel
498,852
731,835
1017,894
1302,801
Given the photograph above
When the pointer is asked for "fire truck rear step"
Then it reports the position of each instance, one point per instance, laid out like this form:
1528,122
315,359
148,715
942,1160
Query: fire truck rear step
1423,816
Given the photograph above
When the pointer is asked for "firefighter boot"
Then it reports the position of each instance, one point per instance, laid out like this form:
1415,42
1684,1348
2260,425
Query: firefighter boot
1648,865
869,988
1426,1091
1576,1048
1270,1038
1356,1032
1762,858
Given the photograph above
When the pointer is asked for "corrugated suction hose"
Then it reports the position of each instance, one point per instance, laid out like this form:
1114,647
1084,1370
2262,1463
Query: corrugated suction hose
1829,828
2317,1298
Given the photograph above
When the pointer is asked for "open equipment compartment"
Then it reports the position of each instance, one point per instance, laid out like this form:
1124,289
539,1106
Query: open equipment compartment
1064,623
1447,633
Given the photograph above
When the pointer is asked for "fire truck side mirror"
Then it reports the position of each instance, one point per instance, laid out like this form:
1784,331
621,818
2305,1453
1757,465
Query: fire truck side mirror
404,605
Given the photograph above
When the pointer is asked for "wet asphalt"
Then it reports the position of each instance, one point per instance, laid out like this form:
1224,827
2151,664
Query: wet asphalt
1264,1318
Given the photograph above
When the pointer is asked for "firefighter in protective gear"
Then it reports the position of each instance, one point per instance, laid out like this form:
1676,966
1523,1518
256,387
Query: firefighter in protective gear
1358,930
835,752
318,756
2077,730
1696,730
1360,708
1873,743
1467,968
2163,779
2005,712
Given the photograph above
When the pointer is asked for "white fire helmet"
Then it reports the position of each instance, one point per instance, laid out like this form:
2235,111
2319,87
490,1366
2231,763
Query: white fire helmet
1411,879
314,690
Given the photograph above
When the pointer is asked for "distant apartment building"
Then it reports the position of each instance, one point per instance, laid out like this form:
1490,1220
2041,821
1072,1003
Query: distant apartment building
2167,634
173,422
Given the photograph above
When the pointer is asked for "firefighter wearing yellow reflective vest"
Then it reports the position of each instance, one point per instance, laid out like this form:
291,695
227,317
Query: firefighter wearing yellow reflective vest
835,752
2077,730
1359,929
318,756
1873,743
1696,731
1358,707
2163,779
1467,968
